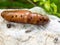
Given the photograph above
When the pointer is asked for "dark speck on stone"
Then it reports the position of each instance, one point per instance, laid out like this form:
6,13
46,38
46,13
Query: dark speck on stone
55,40
28,31
59,21
9,25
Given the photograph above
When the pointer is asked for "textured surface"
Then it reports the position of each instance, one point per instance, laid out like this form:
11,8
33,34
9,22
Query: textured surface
25,16
26,34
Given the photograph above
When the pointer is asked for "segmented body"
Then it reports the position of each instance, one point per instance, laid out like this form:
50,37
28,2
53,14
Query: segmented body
24,16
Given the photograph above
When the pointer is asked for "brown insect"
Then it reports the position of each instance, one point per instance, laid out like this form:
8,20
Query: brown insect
24,16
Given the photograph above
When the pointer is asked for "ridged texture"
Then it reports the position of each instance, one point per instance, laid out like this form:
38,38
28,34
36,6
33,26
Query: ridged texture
25,16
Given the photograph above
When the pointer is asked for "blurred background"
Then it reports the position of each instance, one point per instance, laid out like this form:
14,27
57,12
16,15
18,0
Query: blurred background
50,6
